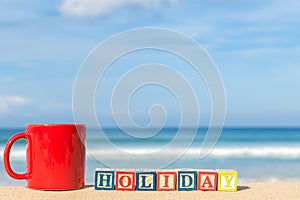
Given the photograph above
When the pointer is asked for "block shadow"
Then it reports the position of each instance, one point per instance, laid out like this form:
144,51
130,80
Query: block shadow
242,187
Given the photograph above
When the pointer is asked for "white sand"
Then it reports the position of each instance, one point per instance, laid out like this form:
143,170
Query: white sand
246,191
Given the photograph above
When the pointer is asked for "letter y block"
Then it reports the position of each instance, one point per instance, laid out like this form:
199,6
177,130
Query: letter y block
227,180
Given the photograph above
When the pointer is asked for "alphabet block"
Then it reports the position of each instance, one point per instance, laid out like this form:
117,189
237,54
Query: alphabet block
104,179
146,180
207,180
166,180
125,180
186,179
227,180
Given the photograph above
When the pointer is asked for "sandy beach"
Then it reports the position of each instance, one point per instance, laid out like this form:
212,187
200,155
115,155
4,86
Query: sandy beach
259,191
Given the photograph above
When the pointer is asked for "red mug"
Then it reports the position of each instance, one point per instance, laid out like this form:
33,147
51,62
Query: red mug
55,156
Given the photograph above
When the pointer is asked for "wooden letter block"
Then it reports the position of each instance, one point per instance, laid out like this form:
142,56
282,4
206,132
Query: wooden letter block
146,180
227,180
104,179
166,180
207,180
125,180
186,179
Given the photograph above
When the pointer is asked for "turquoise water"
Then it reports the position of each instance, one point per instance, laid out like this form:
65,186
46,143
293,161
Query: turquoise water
258,154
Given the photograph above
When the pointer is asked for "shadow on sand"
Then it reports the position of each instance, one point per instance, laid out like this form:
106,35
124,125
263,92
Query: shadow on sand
240,188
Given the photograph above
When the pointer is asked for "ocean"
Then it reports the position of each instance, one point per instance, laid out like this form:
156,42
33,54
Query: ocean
258,154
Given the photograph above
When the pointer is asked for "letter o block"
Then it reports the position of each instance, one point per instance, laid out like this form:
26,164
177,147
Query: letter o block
125,180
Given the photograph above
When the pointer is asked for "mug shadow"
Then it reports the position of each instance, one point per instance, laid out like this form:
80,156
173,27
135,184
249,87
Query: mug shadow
88,186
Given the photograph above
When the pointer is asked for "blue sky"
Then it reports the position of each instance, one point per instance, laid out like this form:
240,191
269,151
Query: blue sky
255,45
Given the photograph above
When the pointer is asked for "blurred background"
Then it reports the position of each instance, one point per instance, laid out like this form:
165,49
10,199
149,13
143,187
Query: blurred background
254,44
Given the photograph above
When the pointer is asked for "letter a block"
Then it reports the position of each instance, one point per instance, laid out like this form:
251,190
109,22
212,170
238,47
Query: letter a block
186,180
166,180
146,180
125,180
207,180
104,179
227,180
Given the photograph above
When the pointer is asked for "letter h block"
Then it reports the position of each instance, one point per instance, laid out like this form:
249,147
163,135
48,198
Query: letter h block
146,180
125,180
104,179
207,180
166,180
227,180
186,179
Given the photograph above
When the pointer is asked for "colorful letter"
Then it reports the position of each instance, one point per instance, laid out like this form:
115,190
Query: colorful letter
125,180
166,180
187,180
207,180
227,180
146,180
104,179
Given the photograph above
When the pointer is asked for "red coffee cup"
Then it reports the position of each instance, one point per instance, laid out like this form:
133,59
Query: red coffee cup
55,156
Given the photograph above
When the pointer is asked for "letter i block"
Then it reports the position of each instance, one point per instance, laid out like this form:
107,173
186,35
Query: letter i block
207,180
227,180
186,179
166,180
146,180
125,180
104,179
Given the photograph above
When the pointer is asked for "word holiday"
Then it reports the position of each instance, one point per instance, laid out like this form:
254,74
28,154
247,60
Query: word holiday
166,180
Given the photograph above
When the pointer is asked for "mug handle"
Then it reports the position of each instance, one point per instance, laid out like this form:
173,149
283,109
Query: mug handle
8,146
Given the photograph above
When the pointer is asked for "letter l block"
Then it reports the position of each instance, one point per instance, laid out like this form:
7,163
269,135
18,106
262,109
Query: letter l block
146,180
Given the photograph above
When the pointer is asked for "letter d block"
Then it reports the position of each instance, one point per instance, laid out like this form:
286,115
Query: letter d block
125,180
166,180
104,179
227,180
207,180
186,180
146,180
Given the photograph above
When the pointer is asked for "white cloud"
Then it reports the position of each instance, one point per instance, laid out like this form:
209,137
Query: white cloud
85,8
9,102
